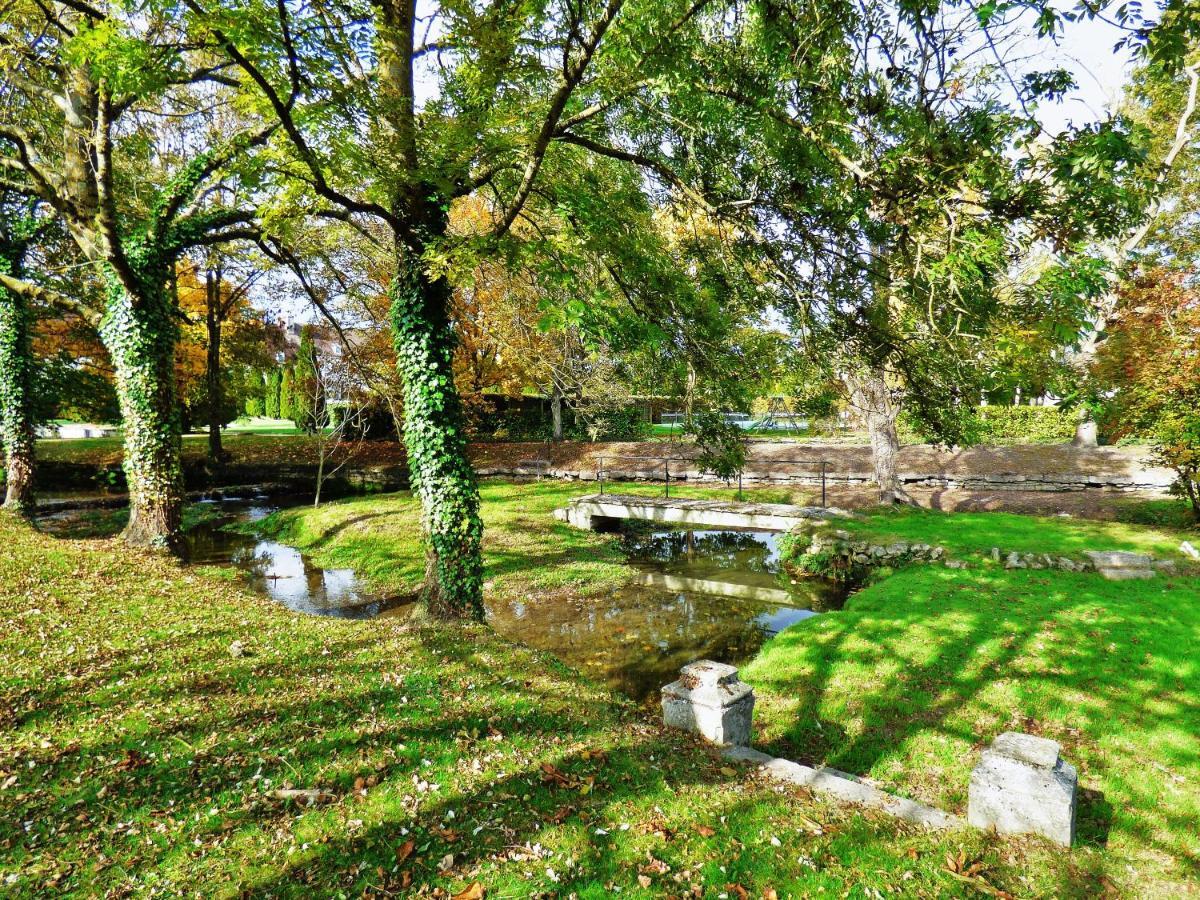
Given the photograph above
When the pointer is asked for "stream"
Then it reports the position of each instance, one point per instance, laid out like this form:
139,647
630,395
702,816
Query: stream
715,594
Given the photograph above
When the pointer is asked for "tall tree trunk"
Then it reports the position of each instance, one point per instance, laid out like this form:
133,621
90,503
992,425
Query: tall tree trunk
870,395
16,395
556,412
140,335
435,439
212,290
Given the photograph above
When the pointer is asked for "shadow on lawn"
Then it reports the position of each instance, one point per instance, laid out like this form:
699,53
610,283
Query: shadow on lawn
196,729
918,660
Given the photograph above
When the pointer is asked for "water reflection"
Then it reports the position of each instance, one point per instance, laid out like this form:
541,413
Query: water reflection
713,594
281,572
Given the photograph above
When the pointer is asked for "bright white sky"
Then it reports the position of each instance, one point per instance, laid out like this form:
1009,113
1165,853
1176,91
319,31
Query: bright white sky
1086,49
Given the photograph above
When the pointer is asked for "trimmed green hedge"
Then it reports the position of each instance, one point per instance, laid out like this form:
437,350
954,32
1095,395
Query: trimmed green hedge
1024,425
1000,425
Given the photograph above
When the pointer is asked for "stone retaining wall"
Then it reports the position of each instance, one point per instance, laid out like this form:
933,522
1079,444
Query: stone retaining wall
1019,468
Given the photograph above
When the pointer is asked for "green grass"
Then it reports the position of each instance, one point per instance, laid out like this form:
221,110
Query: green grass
919,671
138,756
968,535
525,548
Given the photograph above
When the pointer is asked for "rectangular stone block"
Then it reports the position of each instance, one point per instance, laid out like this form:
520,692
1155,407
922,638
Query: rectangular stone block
1023,786
710,700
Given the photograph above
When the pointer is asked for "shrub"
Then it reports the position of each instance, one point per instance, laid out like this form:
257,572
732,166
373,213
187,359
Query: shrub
722,444
1024,425
999,425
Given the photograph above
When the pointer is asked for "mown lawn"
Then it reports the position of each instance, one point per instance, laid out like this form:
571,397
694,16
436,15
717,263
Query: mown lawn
920,669
971,535
137,756
525,548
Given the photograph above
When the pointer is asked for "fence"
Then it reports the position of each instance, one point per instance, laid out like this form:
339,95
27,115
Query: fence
666,471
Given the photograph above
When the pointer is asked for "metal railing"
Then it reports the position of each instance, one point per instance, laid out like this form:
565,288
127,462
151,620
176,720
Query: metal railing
666,471
540,463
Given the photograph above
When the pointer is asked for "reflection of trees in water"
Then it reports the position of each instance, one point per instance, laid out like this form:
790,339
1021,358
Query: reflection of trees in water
722,549
208,544
637,638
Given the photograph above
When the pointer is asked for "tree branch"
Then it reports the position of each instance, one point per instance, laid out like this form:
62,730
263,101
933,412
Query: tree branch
572,74
50,297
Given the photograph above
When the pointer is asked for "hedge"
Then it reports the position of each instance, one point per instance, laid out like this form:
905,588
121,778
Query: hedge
1002,425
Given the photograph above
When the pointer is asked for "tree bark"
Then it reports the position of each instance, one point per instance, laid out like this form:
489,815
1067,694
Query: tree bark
435,438
16,395
556,412
140,335
213,321
870,395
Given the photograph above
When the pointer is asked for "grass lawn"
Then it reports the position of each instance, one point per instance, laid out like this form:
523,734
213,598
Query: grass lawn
137,756
908,682
971,535
525,549
245,446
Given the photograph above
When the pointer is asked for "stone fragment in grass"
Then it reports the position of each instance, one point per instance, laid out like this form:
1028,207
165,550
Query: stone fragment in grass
1119,574
1023,786
1118,559
710,700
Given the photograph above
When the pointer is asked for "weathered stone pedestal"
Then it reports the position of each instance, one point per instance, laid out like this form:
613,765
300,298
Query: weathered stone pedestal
709,700
1023,786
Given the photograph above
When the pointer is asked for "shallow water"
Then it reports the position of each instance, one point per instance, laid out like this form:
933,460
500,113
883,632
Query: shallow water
697,594
281,572
715,594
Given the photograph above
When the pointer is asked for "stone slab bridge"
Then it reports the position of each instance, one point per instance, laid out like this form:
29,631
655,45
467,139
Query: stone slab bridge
598,511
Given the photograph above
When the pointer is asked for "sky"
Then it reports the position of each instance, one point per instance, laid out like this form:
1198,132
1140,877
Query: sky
1086,50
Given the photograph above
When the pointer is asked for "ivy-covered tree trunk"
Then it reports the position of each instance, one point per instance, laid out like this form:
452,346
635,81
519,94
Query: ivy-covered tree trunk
435,439
140,335
16,394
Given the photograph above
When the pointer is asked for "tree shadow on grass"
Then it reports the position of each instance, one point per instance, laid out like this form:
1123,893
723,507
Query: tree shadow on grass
962,661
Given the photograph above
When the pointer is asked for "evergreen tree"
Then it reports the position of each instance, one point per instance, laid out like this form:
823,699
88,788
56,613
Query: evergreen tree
274,382
285,394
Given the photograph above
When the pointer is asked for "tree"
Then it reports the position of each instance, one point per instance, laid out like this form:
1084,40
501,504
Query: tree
18,227
933,183
519,96
87,140
1149,369
308,386
286,393
274,390
231,333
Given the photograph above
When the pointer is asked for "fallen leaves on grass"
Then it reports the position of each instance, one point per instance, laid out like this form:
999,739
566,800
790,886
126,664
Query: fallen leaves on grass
404,851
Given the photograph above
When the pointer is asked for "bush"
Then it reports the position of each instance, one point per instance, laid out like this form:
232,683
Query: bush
1000,425
627,423
532,424
1024,425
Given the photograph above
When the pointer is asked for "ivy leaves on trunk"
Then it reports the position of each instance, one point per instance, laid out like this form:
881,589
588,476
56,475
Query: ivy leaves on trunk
16,363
